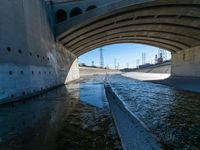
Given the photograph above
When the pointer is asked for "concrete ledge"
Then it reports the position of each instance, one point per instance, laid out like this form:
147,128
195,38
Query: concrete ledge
26,97
133,133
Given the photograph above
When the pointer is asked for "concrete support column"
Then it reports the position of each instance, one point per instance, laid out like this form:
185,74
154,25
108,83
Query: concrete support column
186,63
73,73
31,60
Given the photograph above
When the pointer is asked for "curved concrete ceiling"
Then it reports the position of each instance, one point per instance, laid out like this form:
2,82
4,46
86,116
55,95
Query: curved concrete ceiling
170,24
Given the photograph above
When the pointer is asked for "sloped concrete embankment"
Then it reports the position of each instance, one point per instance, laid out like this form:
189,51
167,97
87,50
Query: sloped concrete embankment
86,71
133,133
162,68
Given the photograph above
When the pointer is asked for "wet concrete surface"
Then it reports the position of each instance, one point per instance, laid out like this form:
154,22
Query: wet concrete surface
72,117
77,116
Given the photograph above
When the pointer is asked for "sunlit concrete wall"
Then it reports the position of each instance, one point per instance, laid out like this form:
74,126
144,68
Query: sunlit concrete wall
88,71
73,72
157,69
30,58
186,62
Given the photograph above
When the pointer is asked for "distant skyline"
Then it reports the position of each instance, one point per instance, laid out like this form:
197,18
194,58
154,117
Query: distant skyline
126,55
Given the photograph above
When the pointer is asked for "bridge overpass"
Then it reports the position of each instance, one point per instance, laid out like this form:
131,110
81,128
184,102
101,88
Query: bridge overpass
41,40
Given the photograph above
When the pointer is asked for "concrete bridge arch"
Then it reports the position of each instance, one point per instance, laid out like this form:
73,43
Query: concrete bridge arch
40,40
172,25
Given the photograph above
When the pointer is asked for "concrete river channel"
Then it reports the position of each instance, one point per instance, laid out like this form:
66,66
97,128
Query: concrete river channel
77,116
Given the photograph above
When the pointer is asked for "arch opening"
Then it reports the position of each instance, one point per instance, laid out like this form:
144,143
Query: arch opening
61,15
128,53
91,7
75,12
170,29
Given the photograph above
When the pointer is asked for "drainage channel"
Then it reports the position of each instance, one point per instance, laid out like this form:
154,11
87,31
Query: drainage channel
75,116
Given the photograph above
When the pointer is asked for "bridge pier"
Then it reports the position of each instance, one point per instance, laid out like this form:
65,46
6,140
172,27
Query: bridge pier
186,63
31,60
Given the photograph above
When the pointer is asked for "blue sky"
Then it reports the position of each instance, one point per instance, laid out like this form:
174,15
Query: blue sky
124,54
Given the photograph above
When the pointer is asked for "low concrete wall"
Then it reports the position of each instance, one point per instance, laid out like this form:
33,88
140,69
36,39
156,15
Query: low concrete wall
84,71
186,63
133,133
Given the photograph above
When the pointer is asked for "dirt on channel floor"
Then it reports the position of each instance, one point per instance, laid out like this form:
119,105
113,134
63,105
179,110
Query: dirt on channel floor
88,128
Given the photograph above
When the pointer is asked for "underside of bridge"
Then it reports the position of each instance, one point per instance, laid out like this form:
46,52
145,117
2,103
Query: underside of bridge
40,40
173,25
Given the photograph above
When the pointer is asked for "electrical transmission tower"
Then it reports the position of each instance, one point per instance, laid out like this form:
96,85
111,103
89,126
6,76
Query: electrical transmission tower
101,58
162,53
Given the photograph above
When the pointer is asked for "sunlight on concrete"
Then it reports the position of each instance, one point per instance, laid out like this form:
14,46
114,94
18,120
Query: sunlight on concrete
146,76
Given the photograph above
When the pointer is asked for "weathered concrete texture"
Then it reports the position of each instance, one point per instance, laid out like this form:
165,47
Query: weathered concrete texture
85,71
83,5
186,63
30,59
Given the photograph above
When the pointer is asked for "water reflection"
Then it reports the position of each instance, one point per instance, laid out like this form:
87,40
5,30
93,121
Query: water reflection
173,115
88,94
58,120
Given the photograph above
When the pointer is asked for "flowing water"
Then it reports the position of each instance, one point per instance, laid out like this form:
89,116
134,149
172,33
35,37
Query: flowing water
77,116
172,115
72,117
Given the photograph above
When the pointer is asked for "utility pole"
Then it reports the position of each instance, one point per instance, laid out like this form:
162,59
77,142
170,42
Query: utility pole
101,58
92,63
138,63
115,63
143,58
127,65
156,59
118,65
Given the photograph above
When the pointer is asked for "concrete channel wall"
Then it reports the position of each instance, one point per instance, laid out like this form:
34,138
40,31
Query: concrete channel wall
163,68
85,71
186,63
31,60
